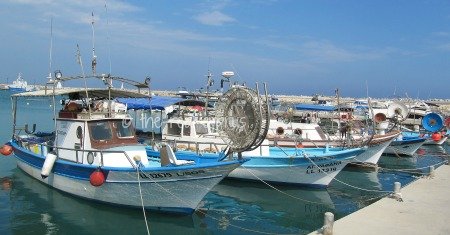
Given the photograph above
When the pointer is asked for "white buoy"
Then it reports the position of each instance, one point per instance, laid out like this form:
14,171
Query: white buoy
48,165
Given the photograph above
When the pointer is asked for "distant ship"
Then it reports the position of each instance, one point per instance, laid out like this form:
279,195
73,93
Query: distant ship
20,85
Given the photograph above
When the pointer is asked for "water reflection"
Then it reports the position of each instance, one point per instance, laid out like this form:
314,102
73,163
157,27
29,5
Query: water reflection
6,183
255,205
36,207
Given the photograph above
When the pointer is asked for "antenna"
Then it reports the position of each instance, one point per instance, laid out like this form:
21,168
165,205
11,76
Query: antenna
51,49
94,57
107,38
209,82
80,62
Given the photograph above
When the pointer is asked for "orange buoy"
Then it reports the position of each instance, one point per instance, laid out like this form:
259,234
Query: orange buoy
97,178
436,136
6,150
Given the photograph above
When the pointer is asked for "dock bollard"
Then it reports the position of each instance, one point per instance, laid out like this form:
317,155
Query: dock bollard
397,191
397,187
432,173
328,221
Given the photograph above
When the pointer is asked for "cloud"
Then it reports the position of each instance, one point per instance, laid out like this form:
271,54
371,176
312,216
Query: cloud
444,47
215,18
441,34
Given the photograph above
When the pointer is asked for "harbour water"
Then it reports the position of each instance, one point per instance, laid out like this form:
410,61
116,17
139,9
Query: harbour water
232,207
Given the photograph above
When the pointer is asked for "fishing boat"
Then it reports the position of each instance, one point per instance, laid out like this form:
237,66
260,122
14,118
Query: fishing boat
194,137
436,138
434,133
20,85
405,146
314,167
310,135
93,153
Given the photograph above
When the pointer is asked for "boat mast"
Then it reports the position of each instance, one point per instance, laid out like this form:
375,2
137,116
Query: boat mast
209,83
80,62
94,57
51,49
14,113
55,82
107,41
338,105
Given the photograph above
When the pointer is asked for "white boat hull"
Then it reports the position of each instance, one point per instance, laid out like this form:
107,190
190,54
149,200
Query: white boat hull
372,154
406,149
440,142
307,174
173,195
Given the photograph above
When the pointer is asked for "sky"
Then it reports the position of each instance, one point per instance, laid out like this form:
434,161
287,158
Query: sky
298,47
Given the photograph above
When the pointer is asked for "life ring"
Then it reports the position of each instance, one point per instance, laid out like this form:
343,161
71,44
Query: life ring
280,130
298,131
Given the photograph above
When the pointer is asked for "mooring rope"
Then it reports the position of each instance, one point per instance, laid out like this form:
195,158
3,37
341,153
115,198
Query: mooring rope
344,183
142,199
212,217
320,169
301,199
413,170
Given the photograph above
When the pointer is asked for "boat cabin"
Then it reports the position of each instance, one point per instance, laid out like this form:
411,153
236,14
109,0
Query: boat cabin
91,131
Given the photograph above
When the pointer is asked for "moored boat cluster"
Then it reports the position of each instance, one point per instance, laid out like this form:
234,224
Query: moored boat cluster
167,153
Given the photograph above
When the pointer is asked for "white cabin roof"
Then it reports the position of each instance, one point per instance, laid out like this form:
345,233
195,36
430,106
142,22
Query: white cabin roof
81,93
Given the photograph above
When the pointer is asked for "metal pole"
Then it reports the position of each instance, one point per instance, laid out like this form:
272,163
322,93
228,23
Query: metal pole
14,114
54,117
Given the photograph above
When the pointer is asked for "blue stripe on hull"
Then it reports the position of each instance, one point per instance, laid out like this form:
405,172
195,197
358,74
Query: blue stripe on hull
175,210
59,168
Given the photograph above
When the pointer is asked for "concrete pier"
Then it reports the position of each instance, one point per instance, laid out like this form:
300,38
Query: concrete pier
425,210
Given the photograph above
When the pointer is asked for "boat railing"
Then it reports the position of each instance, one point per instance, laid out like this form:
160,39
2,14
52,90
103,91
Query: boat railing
42,148
191,145
195,146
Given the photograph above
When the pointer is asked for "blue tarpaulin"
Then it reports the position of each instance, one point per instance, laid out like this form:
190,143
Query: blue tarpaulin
314,107
156,102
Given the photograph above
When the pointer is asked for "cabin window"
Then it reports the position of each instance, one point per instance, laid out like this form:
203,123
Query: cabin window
187,130
123,129
201,128
174,129
100,130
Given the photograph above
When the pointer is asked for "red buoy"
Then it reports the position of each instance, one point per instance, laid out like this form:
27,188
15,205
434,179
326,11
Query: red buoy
436,136
420,152
6,150
97,178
